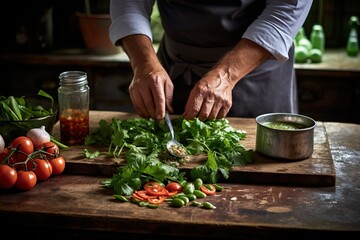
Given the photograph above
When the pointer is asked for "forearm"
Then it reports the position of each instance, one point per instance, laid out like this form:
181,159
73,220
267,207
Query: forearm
240,61
139,50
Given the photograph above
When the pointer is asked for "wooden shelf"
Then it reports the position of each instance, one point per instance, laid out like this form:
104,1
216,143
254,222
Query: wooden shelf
328,91
334,60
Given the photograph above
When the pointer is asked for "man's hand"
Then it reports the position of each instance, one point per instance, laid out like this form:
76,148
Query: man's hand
151,89
211,97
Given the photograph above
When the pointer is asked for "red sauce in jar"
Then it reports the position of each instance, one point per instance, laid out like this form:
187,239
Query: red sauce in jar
74,126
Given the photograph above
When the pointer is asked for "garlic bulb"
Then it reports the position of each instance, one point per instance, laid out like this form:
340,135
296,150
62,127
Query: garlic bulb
38,136
2,143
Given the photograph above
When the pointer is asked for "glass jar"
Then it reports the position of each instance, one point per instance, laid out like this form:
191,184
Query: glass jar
73,99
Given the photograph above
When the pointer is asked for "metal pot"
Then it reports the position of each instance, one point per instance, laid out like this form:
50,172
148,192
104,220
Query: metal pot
279,142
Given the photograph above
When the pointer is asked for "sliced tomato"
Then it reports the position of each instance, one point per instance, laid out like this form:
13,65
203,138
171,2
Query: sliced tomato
208,189
173,193
136,196
158,191
142,194
152,184
155,189
156,200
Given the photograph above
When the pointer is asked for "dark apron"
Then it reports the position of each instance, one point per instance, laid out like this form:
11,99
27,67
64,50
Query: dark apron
269,88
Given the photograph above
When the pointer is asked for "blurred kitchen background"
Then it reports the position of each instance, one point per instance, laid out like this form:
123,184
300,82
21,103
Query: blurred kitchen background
42,38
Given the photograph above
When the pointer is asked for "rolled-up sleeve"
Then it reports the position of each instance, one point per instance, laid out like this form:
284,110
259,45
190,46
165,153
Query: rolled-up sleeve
277,26
128,18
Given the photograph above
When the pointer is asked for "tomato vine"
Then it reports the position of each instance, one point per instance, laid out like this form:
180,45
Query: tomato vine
22,165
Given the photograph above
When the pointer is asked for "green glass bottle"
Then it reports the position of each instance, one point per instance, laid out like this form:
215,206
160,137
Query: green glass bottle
352,46
317,38
300,34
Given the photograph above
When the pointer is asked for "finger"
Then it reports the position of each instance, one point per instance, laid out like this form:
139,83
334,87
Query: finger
193,106
159,98
222,113
148,104
136,102
142,102
169,93
215,112
206,109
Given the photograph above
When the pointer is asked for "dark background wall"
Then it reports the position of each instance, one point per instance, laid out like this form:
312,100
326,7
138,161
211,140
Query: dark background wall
44,25
334,16
52,24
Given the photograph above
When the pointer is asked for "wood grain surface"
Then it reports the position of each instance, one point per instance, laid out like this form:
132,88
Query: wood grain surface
317,170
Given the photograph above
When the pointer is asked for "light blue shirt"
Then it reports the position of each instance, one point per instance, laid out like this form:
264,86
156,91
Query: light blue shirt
198,33
274,28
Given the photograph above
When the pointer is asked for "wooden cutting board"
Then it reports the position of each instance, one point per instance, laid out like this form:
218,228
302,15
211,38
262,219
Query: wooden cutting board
317,170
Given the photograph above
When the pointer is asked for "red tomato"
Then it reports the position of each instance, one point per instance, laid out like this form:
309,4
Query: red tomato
8,176
58,165
26,180
52,148
15,163
24,146
173,187
208,189
41,167
4,154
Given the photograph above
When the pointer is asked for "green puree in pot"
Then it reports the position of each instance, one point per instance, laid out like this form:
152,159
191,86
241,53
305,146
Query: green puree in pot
284,125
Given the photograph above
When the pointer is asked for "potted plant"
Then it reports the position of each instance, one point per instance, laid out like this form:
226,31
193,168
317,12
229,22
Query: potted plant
94,25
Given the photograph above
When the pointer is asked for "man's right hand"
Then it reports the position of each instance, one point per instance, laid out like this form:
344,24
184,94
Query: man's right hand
151,89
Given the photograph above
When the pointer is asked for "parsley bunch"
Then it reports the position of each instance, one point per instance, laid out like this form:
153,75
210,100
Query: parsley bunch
142,142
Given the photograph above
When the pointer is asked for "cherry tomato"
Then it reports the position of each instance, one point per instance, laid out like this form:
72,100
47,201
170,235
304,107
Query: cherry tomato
26,180
173,187
58,165
208,189
41,167
4,154
52,148
15,163
8,176
25,147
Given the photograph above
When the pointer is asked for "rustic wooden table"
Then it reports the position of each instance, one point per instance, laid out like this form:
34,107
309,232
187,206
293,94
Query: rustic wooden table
76,206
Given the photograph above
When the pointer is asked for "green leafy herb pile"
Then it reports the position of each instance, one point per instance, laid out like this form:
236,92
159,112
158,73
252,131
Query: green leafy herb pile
16,111
142,142
17,108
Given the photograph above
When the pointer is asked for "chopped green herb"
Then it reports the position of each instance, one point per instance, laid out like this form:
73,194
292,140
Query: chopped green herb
142,142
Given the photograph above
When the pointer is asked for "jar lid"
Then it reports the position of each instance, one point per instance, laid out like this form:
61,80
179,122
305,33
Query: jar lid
73,78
